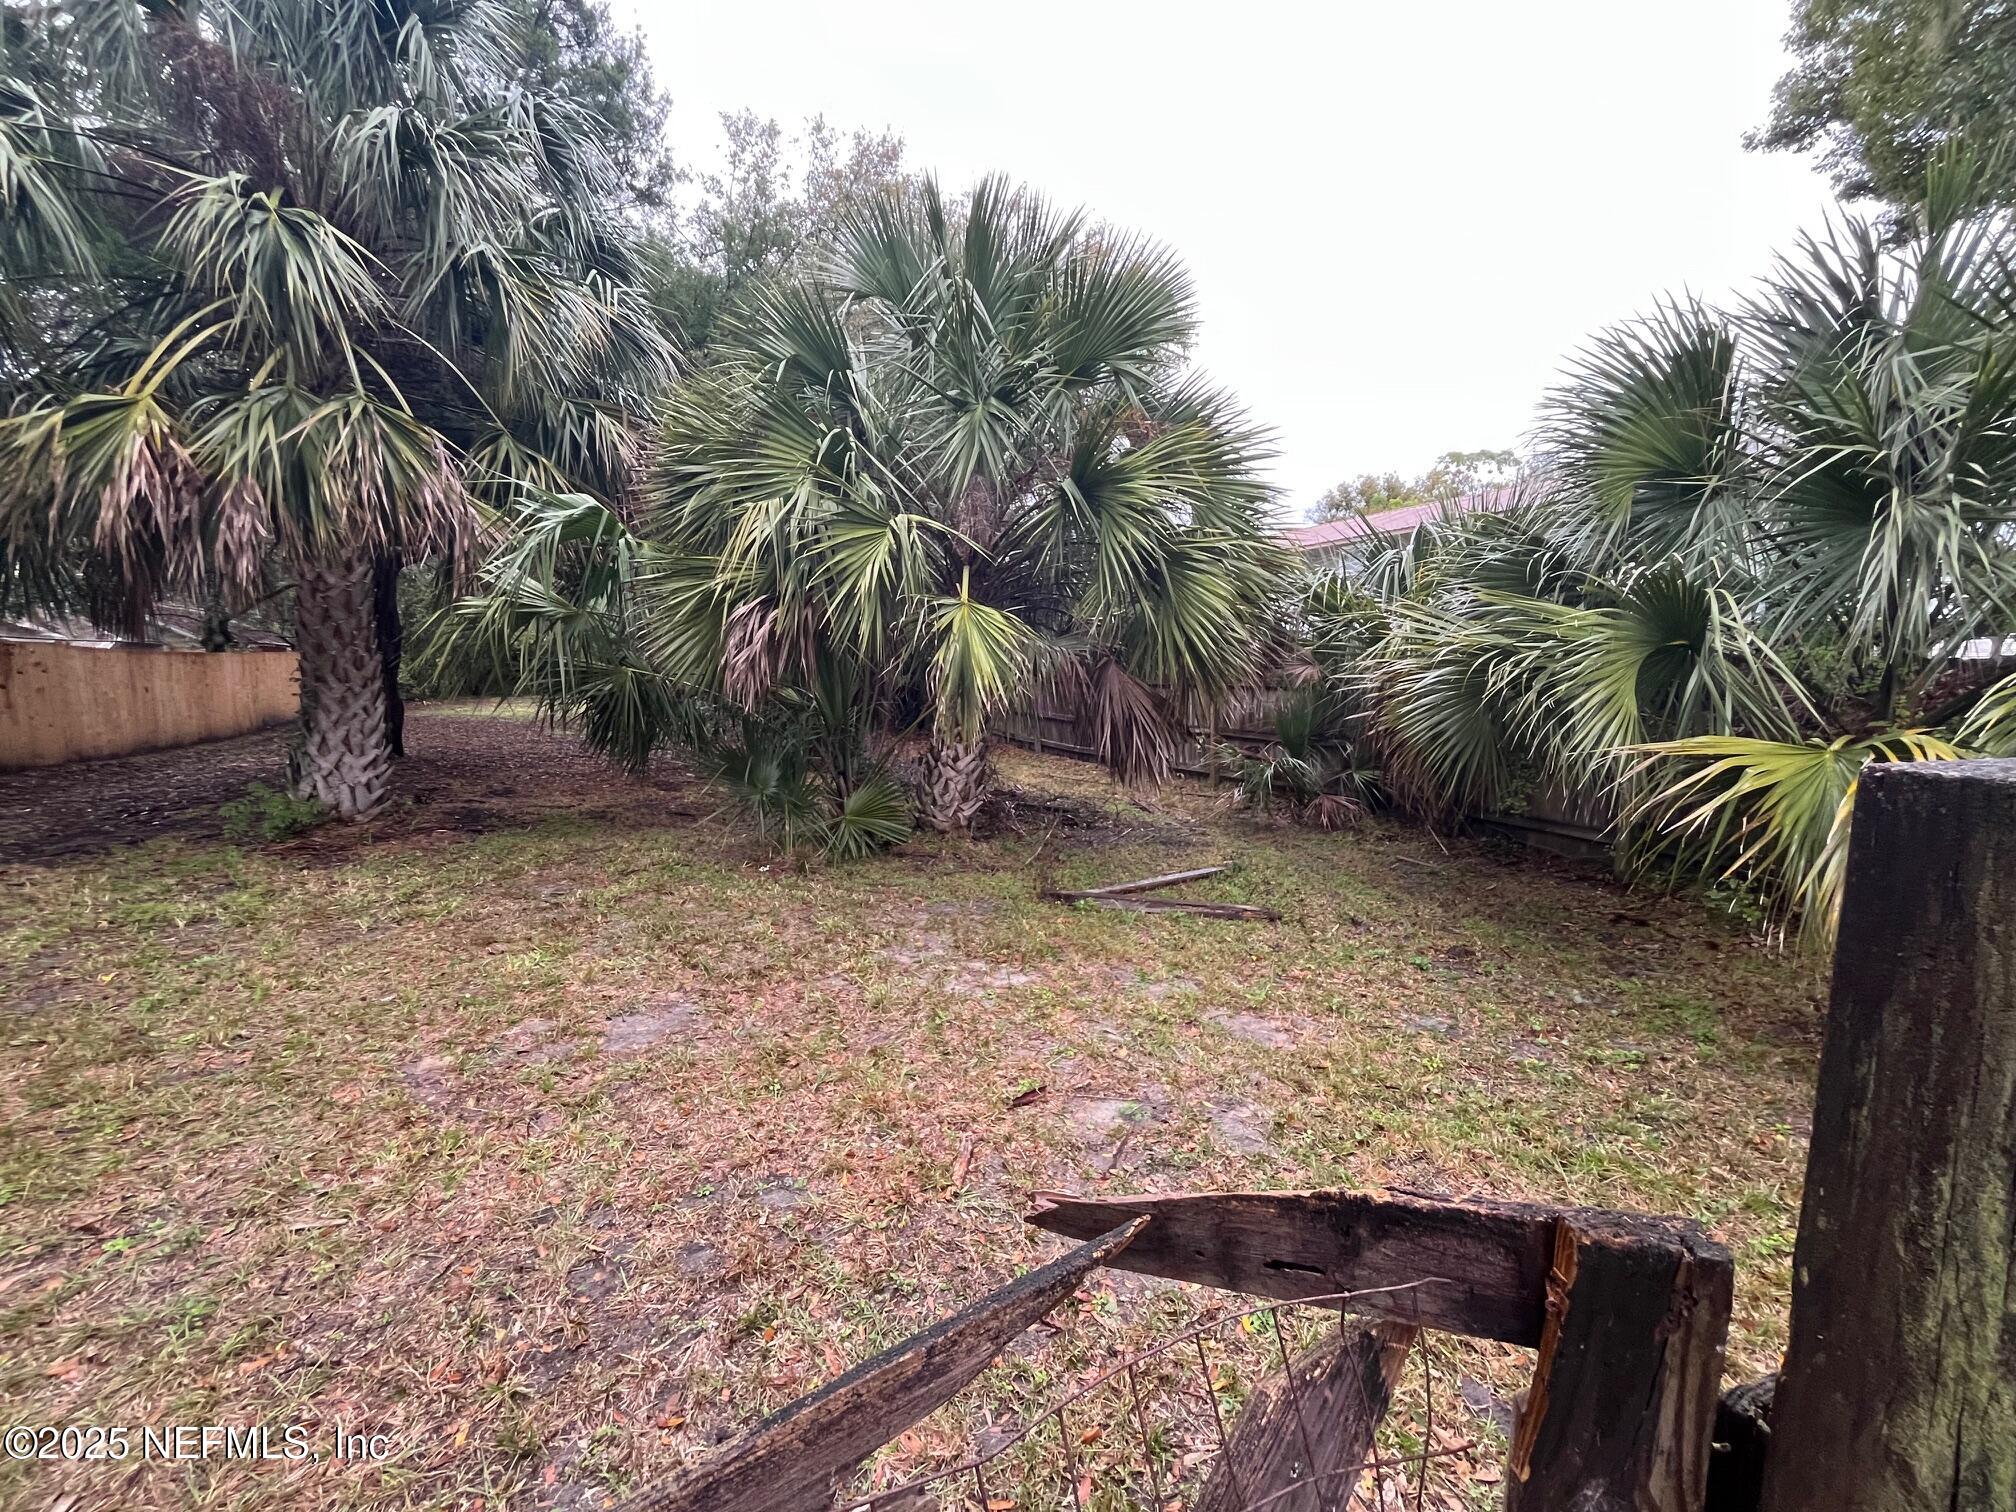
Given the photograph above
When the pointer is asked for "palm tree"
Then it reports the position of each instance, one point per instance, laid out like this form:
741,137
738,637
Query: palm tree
962,462
1764,536
311,282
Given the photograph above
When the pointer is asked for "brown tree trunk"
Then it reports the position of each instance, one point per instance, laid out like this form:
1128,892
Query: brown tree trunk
391,644
1899,1387
956,779
339,756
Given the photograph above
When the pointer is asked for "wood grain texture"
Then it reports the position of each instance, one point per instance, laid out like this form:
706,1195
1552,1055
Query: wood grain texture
1476,1268
1899,1384
63,703
788,1462
1533,1408
1621,1412
1297,1446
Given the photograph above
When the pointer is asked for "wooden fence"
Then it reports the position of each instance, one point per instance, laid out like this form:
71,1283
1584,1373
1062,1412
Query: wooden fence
1248,723
64,702
1562,818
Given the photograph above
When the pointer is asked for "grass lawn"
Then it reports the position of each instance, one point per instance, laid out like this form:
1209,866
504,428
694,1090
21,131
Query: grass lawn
551,1131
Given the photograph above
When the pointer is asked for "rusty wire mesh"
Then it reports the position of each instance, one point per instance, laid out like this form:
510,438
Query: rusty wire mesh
1149,1431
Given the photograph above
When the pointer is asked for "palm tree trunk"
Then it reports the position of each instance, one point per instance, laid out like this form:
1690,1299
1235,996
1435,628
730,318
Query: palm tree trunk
956,779
339,755
391,643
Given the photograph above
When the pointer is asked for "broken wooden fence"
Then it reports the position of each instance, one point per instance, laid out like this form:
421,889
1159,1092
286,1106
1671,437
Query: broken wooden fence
1628,1316
1899,1387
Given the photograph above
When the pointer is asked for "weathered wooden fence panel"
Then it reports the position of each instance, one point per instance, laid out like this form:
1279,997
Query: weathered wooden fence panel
61,702
1572,820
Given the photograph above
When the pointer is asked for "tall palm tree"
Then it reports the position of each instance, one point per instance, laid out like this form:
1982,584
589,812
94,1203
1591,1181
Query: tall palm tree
305,280
1765,535
962,462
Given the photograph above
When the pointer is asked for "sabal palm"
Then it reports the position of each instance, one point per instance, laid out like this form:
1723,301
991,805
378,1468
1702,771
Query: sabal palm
1766,534
307,280
963,461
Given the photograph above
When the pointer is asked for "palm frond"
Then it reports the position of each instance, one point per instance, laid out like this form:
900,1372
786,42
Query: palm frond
874,815
1646,438
1891,413
762,766
1770,814
288,279
1446,700
40,216
1990,726
1130,725
982,658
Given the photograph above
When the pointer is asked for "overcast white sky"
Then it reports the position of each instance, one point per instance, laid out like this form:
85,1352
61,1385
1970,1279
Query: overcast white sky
1402,216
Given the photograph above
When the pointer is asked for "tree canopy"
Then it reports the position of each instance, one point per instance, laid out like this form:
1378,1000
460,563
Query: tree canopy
576,52
1454,474
1763,539
774,206
1881,86
306,285
961,460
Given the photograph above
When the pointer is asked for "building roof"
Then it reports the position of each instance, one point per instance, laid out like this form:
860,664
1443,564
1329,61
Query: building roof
173,623
1389,521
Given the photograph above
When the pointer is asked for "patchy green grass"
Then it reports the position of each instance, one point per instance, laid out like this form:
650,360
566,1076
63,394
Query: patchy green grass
560,1140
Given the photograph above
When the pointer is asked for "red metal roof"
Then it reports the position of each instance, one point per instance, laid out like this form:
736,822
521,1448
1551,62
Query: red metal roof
1386,522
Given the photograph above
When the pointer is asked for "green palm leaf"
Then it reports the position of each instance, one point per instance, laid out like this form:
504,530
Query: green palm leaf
1990,727
983,659
873,816
1772,814
1647,438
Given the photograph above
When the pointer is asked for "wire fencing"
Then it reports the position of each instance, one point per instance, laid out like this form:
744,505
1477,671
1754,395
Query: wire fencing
1273,1408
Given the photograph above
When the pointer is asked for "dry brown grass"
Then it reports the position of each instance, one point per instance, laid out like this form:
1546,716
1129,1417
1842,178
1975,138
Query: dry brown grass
557,1134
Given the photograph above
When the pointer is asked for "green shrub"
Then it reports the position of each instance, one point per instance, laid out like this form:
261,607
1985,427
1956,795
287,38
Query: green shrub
1313,769
266,815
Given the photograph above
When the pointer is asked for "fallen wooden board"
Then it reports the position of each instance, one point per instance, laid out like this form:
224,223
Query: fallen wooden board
1297,1447
1474,1267
788,1461
1169,905
1146,884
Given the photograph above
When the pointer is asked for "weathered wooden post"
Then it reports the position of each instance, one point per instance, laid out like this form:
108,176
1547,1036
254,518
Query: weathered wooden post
1899,1386
1619,1415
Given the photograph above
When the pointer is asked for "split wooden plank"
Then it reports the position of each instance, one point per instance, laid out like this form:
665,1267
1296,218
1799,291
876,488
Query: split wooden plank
1533,1401
1297,1445
1146,884
1171,905
1621,1413
788,1462
1470,1267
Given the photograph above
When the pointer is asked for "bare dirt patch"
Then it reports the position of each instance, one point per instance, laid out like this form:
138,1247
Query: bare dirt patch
1242,1127
1101,1120
663,1019
448,783
1256,1029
